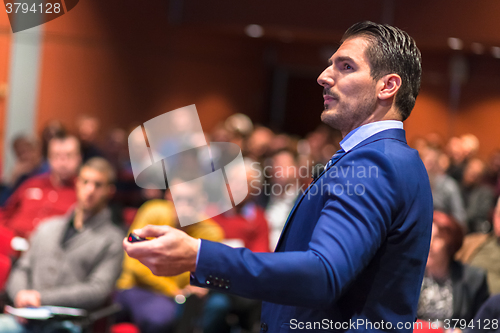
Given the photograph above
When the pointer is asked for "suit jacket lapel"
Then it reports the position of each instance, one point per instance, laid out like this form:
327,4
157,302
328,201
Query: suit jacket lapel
397,134
299,201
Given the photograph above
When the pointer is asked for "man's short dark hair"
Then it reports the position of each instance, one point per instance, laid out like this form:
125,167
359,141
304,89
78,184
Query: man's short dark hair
63,136
392,50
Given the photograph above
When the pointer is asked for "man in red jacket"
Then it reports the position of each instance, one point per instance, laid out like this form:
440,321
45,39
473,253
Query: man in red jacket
46,195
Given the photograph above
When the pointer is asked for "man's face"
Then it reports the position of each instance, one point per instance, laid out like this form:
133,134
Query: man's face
189,200
93,189
284,168
64,158
473,172
349,90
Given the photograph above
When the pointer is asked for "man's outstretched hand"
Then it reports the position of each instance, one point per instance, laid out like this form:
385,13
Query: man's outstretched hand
171,253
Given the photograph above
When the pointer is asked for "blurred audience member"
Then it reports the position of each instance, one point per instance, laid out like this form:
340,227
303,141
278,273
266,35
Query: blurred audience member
48,194
283,142
434,140
283,190
321,144
257,146
450,290
470,145
445,190
455,151
54,128
483,250
219,134
460,150
487,319
115,149
116,152
494,171
240,126
74,260
149,301
479,197
420,144
88,129
244,226
29,163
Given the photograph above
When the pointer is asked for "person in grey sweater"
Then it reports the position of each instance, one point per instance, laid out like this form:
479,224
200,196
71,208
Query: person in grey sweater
446,195
73,260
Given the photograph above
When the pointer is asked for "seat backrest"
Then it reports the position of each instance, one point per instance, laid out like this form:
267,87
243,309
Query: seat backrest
129,215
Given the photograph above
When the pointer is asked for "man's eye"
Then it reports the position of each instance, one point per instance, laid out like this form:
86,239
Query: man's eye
347,66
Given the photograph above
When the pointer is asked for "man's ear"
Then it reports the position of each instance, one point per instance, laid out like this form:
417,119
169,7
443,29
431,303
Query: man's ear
390,86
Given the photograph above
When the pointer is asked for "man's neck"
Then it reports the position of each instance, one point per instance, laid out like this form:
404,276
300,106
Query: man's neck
82,215
439,271
378,115
56,181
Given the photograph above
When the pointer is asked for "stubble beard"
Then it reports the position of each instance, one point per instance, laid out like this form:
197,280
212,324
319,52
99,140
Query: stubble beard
347,117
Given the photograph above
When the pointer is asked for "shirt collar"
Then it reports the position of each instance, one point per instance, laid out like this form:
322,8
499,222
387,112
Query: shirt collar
362,133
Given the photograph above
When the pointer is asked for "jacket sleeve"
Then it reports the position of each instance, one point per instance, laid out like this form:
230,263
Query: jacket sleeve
350,230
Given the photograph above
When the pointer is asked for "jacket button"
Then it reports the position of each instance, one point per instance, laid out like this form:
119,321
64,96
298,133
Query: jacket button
263,327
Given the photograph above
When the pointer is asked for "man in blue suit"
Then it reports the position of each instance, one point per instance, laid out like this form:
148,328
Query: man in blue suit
352,254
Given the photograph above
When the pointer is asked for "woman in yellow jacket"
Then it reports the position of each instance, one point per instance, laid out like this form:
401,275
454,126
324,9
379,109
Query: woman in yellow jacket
149,300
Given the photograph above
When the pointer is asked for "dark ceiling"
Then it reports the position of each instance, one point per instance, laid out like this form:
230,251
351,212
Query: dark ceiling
431,23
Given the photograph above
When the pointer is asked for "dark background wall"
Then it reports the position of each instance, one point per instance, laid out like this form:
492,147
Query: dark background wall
128,61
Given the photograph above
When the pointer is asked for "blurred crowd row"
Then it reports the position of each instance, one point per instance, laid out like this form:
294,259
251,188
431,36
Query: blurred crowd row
47,181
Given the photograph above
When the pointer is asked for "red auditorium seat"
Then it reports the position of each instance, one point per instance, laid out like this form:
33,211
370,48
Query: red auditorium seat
423,326
124,328
129,215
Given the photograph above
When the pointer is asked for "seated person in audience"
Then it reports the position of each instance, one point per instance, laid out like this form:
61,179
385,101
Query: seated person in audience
283,190
445,190
244,225
148,300
487,319
450,290
479,197
461,150
88,130
74,260
483,250
29,163
48,194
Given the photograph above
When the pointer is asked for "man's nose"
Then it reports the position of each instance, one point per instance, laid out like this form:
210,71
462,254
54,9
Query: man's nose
90,187
325,79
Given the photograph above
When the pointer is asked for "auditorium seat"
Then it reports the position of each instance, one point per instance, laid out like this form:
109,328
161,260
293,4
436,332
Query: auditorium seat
124,328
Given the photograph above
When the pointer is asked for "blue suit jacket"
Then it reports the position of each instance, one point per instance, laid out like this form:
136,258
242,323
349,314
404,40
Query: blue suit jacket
352,253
